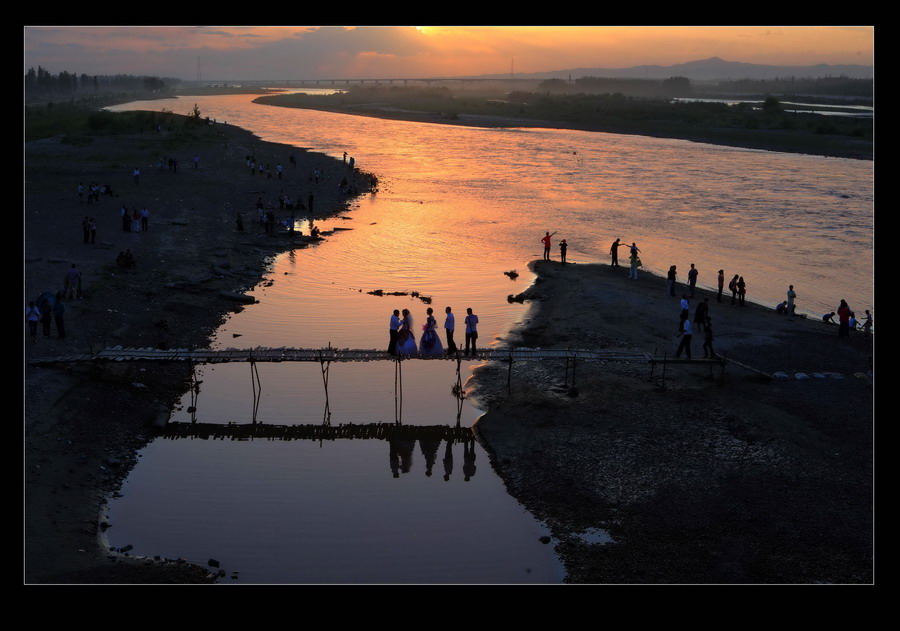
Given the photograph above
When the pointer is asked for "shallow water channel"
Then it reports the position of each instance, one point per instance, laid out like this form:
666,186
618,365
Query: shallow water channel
457,207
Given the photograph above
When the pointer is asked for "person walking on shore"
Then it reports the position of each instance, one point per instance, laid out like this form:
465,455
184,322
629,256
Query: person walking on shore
449,327
46,315
701,314
708,340
59,310
733,288
635,263
32,317
72,282
867,323
471,331
692,279
614,253
670,281
721,281
791,294
563,246
741,290
546,241
686,335
843,313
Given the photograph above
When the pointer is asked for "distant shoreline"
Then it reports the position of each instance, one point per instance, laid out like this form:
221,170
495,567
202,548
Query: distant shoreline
785,141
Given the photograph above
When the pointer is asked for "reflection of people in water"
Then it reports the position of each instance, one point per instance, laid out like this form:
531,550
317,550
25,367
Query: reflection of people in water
469,459
394,457
429,447
405,447
448,460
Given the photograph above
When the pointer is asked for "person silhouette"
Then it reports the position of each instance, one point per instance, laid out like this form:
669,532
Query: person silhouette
546,241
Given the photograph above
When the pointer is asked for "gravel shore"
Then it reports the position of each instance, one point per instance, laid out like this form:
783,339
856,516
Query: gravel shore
763,477
84,423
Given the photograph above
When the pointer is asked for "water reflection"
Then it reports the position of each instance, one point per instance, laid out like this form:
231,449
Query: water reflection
457,208
400,438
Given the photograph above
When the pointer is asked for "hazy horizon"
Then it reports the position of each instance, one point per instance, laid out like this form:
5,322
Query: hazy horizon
280,52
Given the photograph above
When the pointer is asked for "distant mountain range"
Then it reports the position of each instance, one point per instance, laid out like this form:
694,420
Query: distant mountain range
712,69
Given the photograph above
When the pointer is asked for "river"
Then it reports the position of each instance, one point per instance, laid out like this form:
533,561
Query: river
456,208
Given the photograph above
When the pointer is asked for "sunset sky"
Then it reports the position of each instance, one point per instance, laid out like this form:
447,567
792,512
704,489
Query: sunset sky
281,52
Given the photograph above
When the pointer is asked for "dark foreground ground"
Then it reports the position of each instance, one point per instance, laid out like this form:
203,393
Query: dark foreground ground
754,480
84,423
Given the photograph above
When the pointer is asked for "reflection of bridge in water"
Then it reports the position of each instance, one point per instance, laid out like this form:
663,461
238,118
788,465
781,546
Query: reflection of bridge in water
315,431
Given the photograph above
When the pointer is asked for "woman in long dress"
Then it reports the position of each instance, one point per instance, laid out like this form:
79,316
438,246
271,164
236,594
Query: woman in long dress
430,343
406,340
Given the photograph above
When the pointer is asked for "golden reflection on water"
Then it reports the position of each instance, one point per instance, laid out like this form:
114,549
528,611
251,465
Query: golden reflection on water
457,208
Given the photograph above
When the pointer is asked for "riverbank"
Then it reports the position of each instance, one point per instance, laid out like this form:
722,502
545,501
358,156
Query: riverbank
686,480
783,140
83,424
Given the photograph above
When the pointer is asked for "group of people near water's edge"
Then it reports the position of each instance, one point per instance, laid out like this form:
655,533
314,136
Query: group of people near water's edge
634,260
402,340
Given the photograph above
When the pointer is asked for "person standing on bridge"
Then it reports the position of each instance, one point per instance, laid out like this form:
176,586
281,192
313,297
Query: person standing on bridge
406,339
471,331
393,331
430,343
449,326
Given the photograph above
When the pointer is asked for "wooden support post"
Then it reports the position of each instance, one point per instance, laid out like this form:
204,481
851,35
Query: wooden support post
195,393
325,365
254,379
398,390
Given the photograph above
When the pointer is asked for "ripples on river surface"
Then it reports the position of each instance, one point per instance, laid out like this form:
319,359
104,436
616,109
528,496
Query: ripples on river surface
457,207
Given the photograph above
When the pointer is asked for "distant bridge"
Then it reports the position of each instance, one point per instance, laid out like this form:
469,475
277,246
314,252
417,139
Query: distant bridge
334,82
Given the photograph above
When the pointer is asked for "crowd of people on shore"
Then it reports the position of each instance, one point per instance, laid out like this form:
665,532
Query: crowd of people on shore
402,338
136,219
737,286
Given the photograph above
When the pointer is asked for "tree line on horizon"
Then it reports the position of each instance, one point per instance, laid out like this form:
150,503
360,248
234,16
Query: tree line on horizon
684,87
41,83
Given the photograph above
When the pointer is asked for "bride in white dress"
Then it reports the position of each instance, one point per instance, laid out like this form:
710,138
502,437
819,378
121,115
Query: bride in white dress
430,343
406,340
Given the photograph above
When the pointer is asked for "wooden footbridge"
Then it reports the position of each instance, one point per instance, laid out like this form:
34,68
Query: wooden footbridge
330,354
327,355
